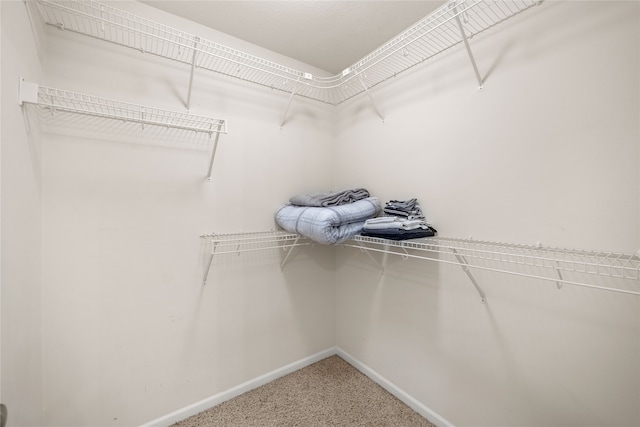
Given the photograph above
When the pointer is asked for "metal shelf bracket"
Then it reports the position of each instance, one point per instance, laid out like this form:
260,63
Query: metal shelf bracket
237,243
465,39
193,68
286,111
464,264
556,263
213,154
365,249
213,252
559,283
373,102
289,250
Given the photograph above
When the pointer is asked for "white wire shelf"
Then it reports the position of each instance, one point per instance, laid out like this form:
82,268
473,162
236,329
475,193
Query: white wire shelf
537,262
55,100
237,243
80,103
433,34
511,258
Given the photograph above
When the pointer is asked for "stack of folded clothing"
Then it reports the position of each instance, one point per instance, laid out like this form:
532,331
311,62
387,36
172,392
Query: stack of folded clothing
328,218
409,209
402,220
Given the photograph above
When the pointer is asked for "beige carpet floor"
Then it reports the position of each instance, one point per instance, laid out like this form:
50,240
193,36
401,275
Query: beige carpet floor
327,393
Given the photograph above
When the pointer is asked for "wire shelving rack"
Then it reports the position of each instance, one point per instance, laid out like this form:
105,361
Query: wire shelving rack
237,243
451,24
531,261
515,259
75,102
54,100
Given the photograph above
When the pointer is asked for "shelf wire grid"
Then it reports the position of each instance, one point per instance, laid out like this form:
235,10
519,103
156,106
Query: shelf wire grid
609,264
604,264
458,252
236,243
107,23
64,100
434,34
430,36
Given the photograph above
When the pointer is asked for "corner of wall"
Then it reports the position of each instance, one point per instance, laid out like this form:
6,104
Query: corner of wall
20,225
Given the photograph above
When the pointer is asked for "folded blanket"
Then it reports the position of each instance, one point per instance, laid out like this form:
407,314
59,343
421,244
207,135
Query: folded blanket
328,225
329,199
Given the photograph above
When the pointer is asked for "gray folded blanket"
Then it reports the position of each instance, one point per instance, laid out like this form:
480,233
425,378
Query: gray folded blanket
328,225
329,199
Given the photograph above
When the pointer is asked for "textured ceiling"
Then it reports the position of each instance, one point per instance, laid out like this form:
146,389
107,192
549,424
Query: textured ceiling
328,34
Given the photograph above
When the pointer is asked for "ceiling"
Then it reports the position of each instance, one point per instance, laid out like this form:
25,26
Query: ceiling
327,34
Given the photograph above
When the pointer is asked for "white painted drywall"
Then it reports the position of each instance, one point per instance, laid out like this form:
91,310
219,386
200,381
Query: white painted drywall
129,332
21,154
546,152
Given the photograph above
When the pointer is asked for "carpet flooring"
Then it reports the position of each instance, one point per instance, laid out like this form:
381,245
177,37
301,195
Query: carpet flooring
330,392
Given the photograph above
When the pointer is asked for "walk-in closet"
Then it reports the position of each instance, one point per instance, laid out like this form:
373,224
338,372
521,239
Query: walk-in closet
148,157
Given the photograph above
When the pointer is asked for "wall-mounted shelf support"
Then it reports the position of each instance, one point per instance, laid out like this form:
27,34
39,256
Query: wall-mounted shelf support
237,243
79,103
206,271
213,154
193,68
373,102
286,111
559,283
465,40
289,250
465,267
363,248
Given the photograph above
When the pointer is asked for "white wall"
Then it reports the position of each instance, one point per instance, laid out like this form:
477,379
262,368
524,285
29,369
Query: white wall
546,152
129,332
21,154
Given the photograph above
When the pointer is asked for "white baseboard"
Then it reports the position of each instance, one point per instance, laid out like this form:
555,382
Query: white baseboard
408,400
217,399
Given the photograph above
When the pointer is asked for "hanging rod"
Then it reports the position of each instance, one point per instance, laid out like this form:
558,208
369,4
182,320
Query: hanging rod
237,243
604,264
430,36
